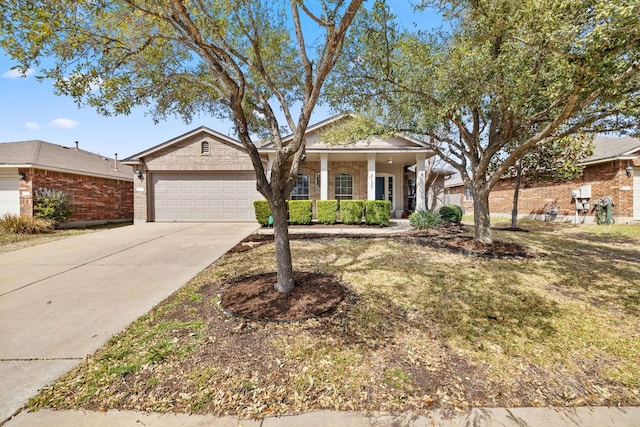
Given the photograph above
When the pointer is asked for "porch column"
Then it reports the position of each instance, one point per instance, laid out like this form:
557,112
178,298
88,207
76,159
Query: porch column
272,158
371,176
421,196
324,176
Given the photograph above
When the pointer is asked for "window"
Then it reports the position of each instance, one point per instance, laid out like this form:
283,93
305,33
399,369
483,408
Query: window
468,195
301,190
344,186
204,147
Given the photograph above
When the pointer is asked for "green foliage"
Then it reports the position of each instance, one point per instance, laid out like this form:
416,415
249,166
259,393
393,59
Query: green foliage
53,205
506,76
451,213
16,224
351,211
300,211
425,219
377,212
262,211
327,211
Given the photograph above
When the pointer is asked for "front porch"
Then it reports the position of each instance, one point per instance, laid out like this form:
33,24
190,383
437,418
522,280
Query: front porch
363,176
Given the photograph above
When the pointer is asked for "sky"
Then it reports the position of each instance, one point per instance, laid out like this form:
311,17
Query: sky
29,110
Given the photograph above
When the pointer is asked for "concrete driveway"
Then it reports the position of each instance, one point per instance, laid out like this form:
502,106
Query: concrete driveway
62,300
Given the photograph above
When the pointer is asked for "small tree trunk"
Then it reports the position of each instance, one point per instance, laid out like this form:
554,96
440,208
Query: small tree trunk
284,267
516,194
481,217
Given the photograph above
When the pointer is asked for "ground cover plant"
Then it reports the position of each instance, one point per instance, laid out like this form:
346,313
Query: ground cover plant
425,321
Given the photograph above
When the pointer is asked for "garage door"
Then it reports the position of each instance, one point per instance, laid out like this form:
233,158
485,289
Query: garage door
9,195
196,197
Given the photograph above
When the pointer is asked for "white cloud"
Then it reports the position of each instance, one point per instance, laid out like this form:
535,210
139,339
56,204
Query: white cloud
63,124
32,126
15,73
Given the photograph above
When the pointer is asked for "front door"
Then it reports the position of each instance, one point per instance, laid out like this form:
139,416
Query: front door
380,188
384,188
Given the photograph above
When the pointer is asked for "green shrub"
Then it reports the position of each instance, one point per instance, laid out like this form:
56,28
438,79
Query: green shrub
423,220
16,224
262,211
351,211
300,211
451,213
377,212
327,211
54,205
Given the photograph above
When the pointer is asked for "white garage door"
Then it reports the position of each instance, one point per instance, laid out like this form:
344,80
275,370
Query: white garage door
195,197
9,195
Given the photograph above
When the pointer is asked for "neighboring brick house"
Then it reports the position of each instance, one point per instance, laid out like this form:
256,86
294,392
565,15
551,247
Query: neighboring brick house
612,171
207,176
100,188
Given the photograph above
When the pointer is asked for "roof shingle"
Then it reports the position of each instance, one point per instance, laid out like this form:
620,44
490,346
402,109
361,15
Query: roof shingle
44,155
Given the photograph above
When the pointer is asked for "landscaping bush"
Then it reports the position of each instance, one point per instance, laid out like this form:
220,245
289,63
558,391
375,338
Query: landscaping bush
423,220
16,224
351,211
451,213
327,211
377,212
300,211
262,211
54,205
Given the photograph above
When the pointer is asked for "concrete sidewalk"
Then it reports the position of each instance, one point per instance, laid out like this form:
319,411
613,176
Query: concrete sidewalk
478,417
62,300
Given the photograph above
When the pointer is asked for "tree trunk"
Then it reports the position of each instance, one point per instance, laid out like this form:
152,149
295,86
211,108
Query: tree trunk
516,194
481,217
284,267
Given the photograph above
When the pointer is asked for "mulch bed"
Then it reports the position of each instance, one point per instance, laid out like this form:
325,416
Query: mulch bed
255,298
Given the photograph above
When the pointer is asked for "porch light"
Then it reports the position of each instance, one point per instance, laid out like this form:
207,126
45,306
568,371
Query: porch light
139,173
629,170
22,176
390,161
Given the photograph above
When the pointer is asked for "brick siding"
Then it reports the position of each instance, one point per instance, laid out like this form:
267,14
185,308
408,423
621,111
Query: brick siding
92,198
187,156
606,179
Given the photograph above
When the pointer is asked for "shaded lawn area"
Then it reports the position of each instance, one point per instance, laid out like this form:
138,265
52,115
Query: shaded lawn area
421,327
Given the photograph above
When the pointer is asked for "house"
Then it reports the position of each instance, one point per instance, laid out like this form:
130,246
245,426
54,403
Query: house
204,175
613,170
100,188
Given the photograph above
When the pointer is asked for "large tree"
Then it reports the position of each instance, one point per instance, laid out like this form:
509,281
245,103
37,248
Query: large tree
501,76
249,61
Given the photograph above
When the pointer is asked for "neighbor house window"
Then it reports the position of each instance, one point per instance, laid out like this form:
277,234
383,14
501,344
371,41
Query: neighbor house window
468,195
301,190
344,186
204,147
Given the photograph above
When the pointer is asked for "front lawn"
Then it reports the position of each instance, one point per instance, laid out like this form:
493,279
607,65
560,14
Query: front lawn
421,326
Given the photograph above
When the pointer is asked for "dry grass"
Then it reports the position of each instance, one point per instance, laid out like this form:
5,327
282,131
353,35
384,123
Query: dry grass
15,241
422,327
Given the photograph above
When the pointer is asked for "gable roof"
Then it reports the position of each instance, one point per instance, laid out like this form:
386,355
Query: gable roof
136,158
401,142
44,155
610,148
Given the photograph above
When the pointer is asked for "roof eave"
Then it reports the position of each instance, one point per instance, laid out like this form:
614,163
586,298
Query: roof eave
607,159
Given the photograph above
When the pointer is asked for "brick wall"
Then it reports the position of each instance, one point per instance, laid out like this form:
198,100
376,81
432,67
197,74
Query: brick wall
93,198
187,156
606,179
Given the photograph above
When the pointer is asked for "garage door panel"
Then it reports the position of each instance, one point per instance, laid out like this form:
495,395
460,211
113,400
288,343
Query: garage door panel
204,197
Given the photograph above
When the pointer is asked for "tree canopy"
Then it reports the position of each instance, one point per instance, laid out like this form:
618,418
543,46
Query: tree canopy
504,77
250,61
